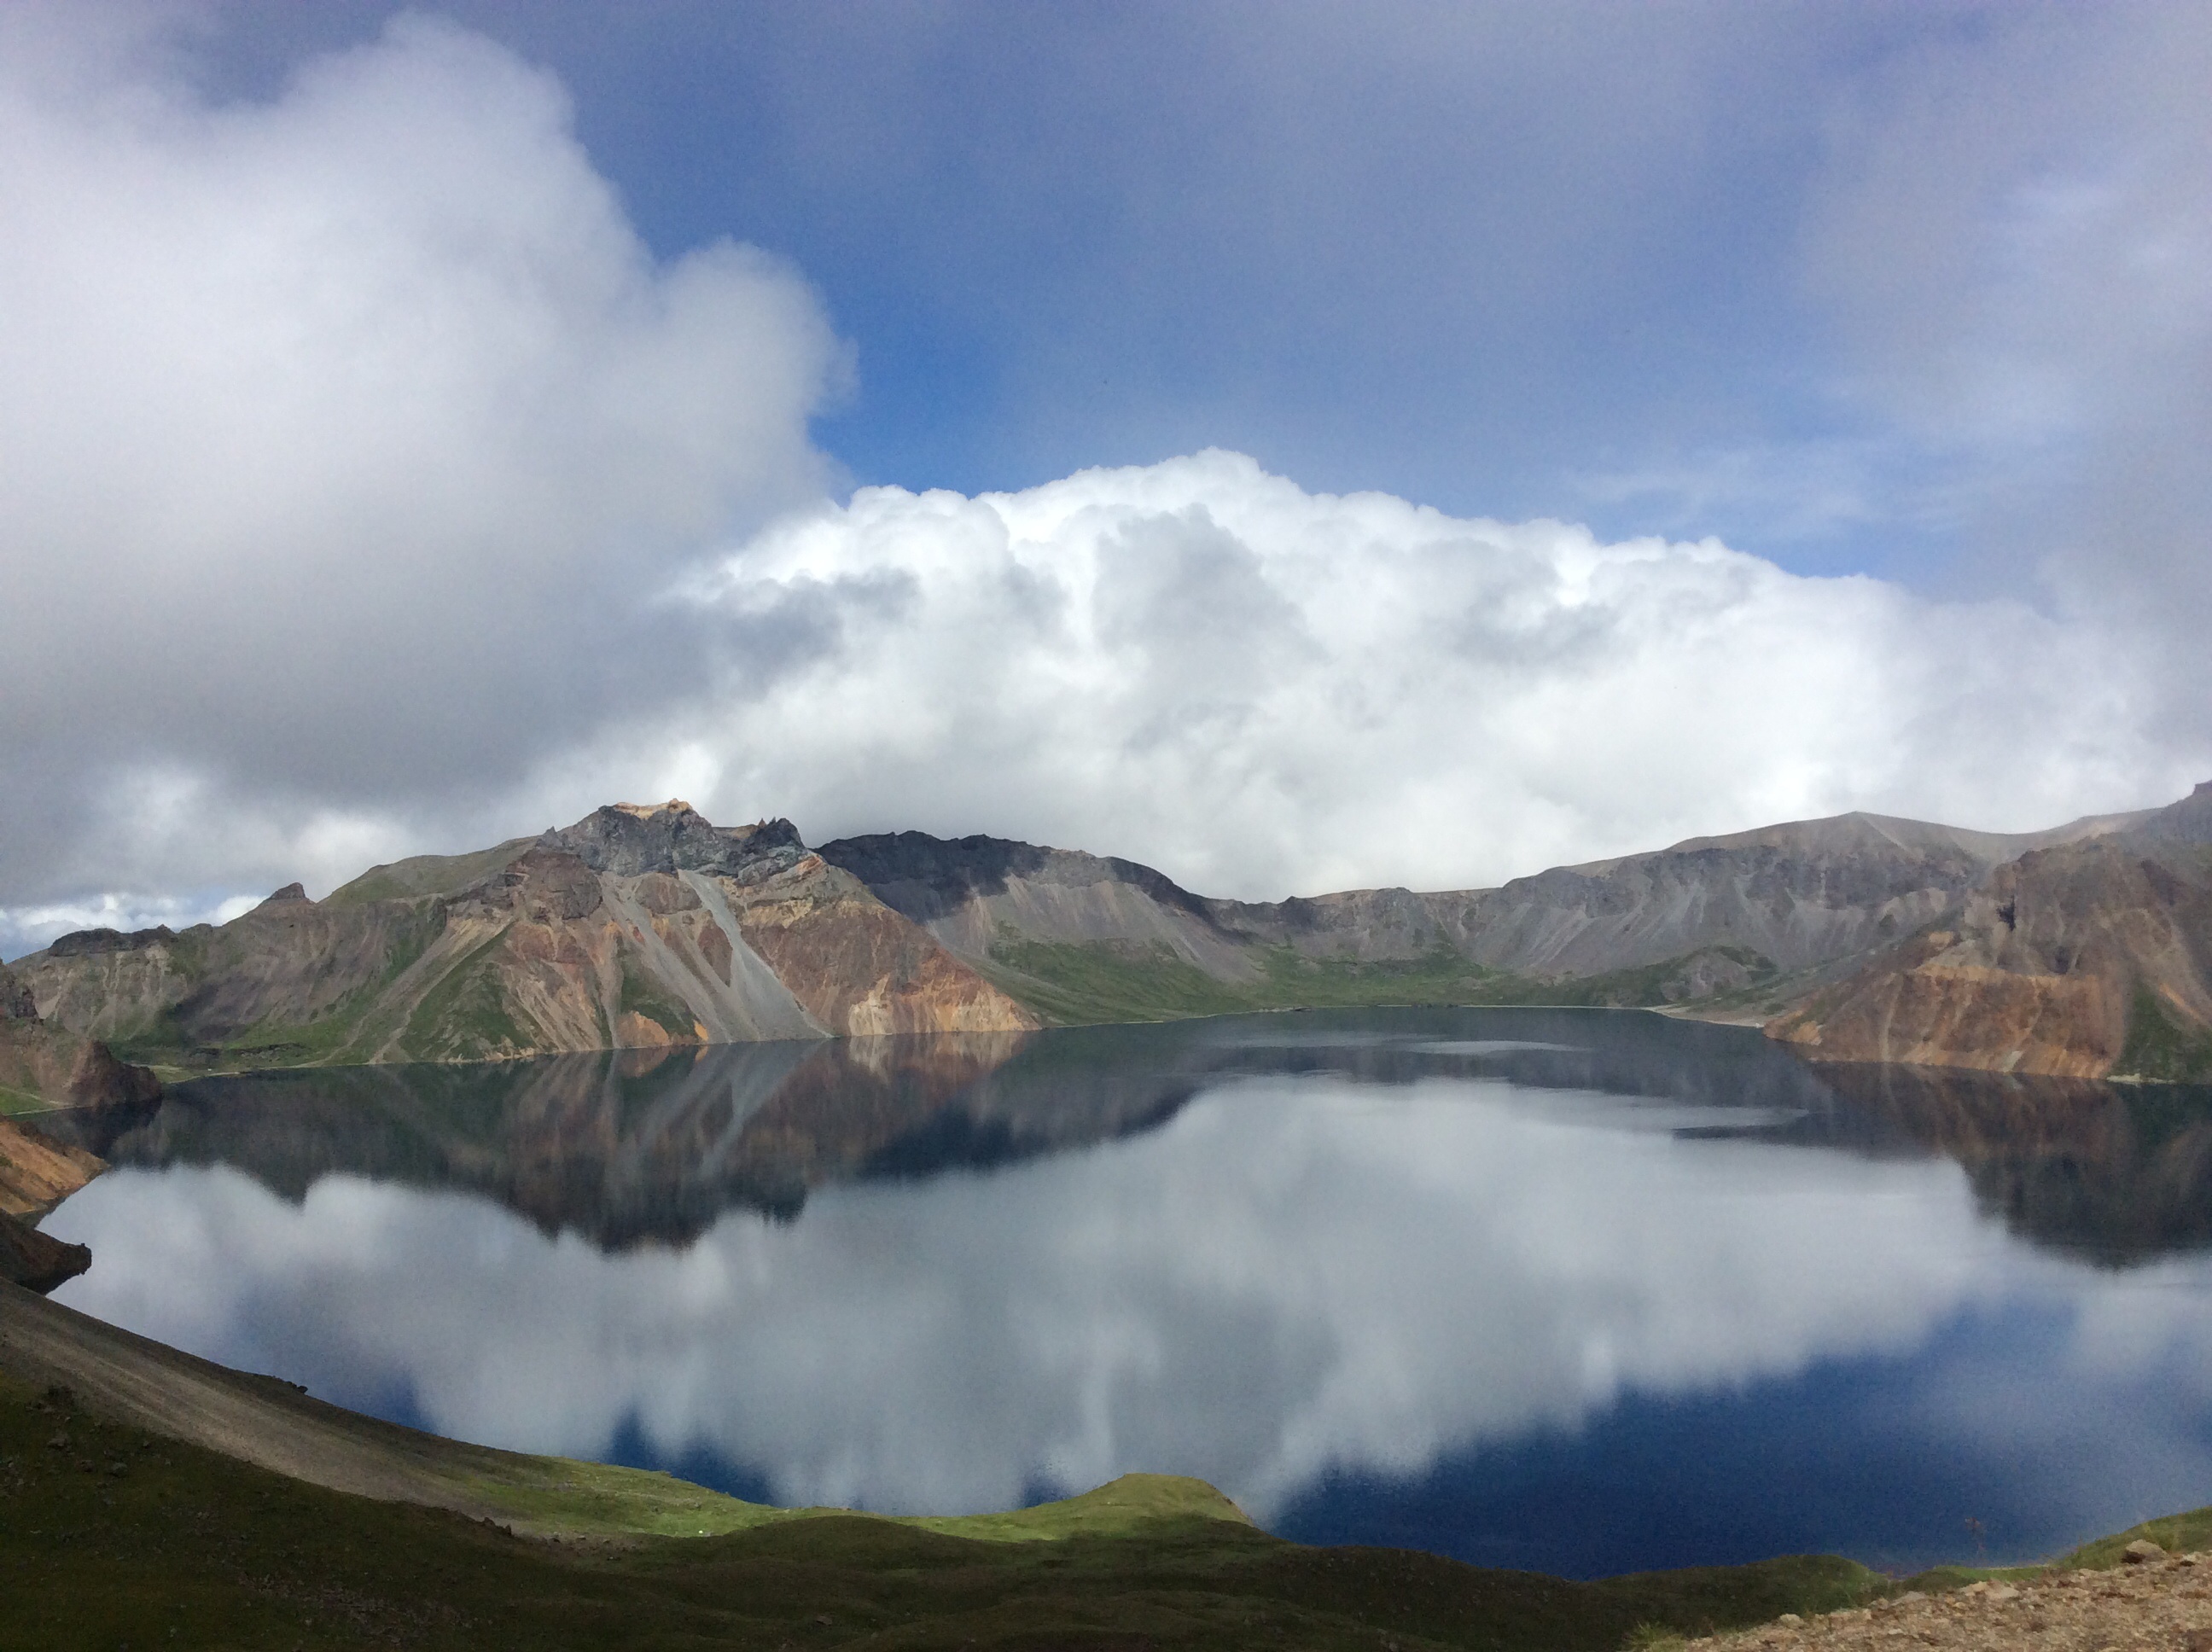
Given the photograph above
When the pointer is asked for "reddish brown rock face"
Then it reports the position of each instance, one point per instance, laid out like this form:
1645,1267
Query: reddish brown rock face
861,969
36,1172
2047,969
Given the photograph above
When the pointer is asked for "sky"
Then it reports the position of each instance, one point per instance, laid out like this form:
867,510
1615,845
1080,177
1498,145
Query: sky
1297,447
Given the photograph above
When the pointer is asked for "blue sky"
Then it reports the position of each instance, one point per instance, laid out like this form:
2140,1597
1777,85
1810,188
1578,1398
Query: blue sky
1514,261
449,417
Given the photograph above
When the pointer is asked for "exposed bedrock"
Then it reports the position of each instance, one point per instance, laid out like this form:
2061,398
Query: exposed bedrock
2082,960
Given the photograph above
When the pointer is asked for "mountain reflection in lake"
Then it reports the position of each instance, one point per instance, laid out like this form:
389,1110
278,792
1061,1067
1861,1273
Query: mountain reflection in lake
1578,1290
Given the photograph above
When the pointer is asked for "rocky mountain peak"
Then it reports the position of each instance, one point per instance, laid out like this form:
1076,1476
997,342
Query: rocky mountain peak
646,810
629,839
82,943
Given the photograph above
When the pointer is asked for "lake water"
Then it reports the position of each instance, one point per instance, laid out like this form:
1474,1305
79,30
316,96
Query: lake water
1580,1291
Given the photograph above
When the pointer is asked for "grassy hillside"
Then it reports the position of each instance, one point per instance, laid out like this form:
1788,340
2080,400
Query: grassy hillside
113,1536
1074,984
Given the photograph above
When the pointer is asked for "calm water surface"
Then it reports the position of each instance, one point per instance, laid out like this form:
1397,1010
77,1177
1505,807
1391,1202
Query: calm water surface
1575,1290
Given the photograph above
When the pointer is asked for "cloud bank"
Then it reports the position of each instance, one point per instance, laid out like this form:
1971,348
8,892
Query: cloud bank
1266,691
373,489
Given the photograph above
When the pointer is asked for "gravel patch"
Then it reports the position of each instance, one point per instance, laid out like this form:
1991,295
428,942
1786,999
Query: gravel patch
2153,1600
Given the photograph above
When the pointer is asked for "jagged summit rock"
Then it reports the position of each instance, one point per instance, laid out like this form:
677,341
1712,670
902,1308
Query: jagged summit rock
84,942
290,892
629,839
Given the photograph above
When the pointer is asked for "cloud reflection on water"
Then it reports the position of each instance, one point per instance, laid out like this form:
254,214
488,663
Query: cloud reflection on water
1289,1275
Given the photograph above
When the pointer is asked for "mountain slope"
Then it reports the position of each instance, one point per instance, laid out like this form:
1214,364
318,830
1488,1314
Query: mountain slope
1084,937
636,926
42,1064
2085,959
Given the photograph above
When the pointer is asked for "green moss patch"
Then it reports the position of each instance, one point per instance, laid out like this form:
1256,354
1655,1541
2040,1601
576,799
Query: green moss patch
2159,1047
465,1017
642,995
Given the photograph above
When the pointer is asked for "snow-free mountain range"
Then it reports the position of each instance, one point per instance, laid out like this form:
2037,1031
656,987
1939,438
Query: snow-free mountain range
2085,950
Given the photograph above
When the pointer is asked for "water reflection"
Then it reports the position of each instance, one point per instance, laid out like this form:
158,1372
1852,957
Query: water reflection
1413,1276
656,1145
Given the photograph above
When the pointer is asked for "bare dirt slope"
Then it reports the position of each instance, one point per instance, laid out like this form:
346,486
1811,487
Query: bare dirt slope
37,1172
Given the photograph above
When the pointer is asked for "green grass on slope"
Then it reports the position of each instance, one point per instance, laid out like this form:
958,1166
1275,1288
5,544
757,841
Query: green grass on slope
427,874
465,1017
642,995
1118,1509
18,1103
2158,1047
110,1536
2175,1533
349,1030
1075,984
1107,981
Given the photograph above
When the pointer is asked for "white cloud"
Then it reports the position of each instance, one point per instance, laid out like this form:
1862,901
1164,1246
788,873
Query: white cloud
26,929
1265,691
344,436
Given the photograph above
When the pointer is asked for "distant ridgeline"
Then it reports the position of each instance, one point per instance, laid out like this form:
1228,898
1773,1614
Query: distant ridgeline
2082,952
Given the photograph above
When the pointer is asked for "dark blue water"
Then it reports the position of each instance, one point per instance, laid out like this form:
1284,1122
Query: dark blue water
1582,1292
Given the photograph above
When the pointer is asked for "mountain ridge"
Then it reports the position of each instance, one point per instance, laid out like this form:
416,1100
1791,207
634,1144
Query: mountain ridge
1780,905
639,925
647,925
2088,958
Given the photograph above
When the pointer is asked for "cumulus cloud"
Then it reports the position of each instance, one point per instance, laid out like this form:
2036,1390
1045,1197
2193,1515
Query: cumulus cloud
1264,690
1287,1279
343,436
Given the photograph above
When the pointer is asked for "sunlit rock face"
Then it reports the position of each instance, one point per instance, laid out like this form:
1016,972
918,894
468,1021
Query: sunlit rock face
640,926
2080,960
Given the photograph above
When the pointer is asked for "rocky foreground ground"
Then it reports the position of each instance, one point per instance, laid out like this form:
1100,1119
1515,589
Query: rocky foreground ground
2156,1600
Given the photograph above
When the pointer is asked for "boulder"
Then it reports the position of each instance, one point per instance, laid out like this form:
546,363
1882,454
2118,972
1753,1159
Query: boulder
35,1261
